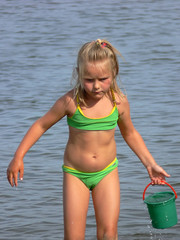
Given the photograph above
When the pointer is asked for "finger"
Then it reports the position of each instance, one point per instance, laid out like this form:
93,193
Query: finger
10,179
166,174
16,180
21,174
159,182
163,173
156,181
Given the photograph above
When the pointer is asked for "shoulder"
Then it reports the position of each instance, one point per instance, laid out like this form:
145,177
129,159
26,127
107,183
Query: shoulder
68,97
122,104
69,102
121,100
65,103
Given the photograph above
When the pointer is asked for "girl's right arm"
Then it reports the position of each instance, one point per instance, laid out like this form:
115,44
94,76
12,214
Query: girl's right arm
58,111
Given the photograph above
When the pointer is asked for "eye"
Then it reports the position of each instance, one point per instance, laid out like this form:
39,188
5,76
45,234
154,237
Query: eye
88,79
103,79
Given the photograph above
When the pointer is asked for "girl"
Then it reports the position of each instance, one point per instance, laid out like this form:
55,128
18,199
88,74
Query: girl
93,109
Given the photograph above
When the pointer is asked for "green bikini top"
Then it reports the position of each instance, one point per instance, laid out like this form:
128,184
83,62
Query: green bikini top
80,121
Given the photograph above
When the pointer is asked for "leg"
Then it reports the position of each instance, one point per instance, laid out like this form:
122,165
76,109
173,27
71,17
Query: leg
75,201
106,199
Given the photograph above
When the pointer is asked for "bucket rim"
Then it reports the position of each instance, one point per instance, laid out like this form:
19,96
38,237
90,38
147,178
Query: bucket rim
160,203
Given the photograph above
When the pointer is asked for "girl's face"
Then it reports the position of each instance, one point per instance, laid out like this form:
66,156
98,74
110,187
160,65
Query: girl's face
97,78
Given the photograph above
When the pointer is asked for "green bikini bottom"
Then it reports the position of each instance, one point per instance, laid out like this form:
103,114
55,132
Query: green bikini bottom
91,179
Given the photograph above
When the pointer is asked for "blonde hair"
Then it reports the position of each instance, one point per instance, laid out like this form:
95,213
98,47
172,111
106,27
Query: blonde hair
91,52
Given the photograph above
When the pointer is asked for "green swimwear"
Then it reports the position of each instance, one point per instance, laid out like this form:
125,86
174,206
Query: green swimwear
80,121
91,179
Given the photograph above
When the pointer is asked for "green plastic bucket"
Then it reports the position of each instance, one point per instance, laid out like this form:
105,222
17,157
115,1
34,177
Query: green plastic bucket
162,208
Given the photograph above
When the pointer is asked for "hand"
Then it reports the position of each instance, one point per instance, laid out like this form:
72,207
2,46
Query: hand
15,167
157,174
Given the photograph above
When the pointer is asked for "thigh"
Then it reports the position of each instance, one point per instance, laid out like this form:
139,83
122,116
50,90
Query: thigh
75,202
106,199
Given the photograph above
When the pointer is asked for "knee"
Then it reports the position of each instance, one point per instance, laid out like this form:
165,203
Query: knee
107,233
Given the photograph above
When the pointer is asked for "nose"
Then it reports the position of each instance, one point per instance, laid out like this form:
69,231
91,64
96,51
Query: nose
96,84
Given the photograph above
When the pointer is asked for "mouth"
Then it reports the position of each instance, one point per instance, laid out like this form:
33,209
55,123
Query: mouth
97,92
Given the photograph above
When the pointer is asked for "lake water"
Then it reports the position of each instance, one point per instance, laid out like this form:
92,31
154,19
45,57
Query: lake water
39,41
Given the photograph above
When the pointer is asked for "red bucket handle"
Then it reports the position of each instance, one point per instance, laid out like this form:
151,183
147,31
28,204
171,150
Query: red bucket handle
163,183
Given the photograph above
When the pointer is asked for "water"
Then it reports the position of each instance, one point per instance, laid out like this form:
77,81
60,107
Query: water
39,41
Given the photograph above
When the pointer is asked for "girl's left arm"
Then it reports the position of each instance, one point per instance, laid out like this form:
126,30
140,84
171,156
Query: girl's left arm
136,143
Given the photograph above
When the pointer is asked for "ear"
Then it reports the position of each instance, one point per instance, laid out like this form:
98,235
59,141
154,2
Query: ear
77,69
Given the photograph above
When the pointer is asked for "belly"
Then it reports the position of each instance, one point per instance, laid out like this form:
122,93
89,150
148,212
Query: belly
90,151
